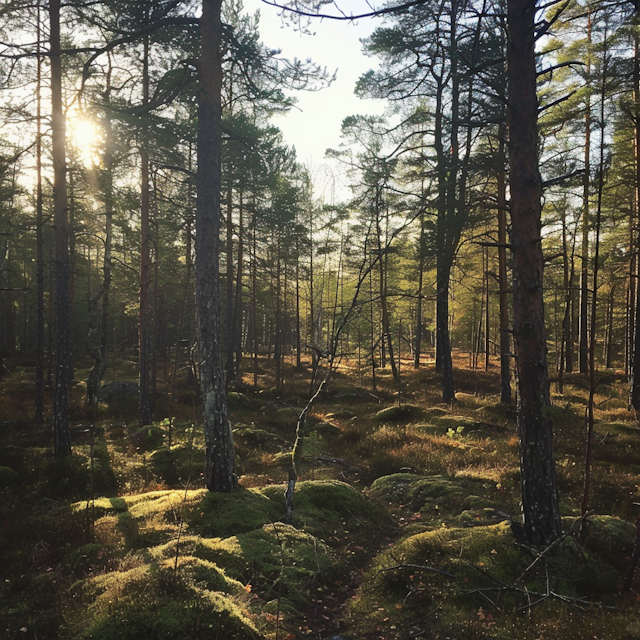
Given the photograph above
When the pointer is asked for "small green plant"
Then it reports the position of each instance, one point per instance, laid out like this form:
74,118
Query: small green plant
455,433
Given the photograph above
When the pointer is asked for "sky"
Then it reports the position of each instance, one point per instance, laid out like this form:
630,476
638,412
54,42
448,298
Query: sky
314,125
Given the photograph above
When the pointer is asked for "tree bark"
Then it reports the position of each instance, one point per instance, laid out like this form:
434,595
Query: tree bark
62,443
505,342
220,457
584,269
634,369
39,400
538,474
145,312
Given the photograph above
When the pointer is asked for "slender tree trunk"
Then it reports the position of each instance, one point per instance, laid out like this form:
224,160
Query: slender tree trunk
566,344
278,346
254,300
505,342
71,209
584,270
62,442
634,386
594,301
220,457
237,308
229,318
146,312
538,473
609,326
39,400
419,320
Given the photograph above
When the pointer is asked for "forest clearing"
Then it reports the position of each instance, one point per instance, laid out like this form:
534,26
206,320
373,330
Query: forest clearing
236,402
401,522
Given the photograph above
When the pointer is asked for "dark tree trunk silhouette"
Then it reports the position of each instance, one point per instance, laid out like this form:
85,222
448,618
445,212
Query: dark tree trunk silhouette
145,341
39,400
538,474
220,458
62,443
505,342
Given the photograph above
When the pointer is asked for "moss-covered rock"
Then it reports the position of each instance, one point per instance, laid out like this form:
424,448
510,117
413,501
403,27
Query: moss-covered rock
175,465
397,414
147,438
344,414
435,495
610,538
256,437
237,400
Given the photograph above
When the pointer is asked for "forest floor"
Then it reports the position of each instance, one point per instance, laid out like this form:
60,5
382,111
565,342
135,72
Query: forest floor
402,518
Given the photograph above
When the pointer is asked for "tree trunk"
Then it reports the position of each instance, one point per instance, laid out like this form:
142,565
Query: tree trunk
538,473
443,341
220,457
39,400
237,308
62,443
145,311
417,347
229,315
584,270
634,386
505,342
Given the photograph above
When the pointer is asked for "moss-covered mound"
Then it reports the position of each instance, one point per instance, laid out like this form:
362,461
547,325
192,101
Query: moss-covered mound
472,501
223,514
397,414
158,600
478,581
329,509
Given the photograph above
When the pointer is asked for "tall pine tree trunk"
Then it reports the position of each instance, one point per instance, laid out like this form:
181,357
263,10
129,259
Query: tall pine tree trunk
538,473
220,457
505,342
584,269
145,343
39,400
62,443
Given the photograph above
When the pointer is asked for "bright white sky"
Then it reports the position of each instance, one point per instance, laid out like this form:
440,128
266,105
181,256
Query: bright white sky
315,124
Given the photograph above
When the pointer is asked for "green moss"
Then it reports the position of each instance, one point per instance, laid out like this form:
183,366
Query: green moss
205,573
436,495
147,438
89,557
398,414
154,601
341,414
610,538
282,560
100,506
174,465
223,552
252,436
220,514
324,507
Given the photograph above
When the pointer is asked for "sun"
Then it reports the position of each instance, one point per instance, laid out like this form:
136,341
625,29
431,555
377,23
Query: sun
84,135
